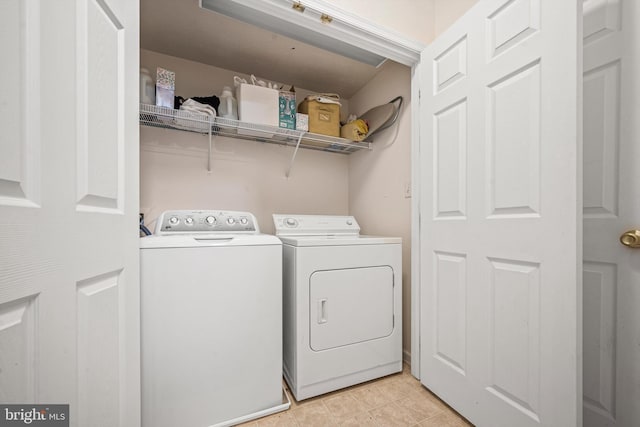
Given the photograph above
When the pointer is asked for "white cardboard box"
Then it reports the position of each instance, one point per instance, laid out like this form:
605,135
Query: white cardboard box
257,105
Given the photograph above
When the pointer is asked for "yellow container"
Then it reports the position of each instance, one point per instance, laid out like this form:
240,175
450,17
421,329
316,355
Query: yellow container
323,118
356,130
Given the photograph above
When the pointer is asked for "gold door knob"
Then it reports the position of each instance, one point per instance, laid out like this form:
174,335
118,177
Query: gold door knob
631,238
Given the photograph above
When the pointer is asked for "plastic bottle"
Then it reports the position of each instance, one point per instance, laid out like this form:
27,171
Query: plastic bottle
147,88
228,105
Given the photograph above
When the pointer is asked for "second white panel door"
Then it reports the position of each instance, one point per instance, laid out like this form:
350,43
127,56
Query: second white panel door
501,231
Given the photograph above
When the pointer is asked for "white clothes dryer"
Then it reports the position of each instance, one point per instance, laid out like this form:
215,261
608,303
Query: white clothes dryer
342,303
211,325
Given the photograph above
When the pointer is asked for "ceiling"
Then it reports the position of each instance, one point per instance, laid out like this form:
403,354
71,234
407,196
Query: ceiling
181,28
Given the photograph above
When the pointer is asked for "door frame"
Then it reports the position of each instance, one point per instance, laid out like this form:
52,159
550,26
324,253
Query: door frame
416,232
344,28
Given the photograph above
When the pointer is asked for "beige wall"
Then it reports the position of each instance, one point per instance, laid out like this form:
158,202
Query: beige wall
412,18
378,178
245,175
421,20
446,12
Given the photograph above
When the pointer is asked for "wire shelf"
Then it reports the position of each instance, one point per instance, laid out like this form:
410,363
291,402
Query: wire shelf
168,118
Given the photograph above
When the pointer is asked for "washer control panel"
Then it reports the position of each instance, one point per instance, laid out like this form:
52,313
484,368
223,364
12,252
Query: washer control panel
184,221
315,225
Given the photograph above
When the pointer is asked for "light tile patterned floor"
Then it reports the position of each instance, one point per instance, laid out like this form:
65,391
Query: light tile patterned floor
394,401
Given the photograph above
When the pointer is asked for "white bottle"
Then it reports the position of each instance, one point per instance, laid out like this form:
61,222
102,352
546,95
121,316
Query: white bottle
147,88
228,105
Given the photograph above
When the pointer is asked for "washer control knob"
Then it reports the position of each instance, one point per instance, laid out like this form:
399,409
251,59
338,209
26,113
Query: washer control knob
210,220
188,221
244,221
174,220
291,222
231,221
349,222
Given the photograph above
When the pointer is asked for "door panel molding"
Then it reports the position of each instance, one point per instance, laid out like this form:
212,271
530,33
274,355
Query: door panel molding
510,25
515,334
450,277
18,345
20,174
99,346
600,292
450,161
100,89
513,137
602,140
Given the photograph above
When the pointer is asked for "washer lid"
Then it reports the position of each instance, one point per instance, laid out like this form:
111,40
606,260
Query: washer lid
203,240
315,225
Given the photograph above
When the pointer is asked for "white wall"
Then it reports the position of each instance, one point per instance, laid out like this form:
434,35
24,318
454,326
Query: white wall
245,175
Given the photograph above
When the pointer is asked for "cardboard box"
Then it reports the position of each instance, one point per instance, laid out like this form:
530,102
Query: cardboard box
257,105
287,110
323,118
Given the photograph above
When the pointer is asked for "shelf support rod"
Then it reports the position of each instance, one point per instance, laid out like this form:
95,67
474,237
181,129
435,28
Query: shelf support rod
295,152
209,156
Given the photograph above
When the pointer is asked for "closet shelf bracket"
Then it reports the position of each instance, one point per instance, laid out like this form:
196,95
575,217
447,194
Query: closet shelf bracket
293,157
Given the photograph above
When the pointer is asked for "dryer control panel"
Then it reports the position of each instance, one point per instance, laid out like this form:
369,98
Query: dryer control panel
315,225
207,221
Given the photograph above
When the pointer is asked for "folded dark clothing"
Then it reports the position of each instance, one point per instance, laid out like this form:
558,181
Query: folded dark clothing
177,102
213,100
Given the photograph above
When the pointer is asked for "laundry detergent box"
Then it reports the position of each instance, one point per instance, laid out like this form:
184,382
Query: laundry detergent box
287,110
302,122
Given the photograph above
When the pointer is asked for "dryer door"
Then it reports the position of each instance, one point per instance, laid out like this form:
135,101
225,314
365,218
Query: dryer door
350,306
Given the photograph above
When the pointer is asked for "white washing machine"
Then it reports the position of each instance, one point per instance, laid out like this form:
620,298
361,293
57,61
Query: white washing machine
342,303
211,304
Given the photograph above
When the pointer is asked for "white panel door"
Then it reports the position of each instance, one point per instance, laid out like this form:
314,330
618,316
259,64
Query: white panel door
69,279
611,207
500,223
